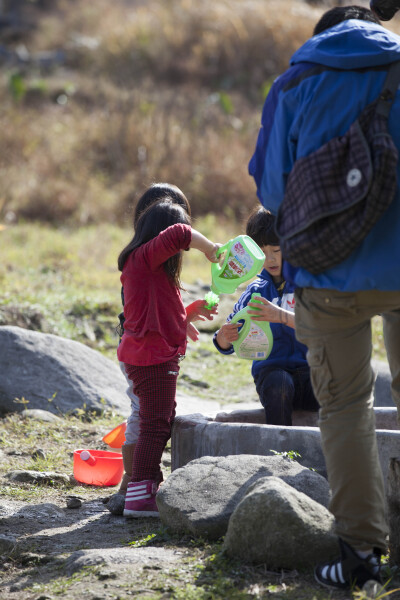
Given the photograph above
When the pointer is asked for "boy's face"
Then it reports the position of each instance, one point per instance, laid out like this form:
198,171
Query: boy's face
273,261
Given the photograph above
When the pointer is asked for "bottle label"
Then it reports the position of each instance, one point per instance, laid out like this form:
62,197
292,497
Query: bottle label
239,262
256,345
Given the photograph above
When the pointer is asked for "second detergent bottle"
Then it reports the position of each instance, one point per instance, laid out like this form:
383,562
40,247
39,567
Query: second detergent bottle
255,337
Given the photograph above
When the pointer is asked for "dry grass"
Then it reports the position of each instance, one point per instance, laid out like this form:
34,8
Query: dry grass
149,91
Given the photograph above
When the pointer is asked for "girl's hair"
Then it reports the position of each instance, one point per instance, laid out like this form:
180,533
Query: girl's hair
160,191
261,227
152,221
337,15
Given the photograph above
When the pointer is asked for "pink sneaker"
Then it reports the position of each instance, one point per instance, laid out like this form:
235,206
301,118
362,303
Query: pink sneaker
140,499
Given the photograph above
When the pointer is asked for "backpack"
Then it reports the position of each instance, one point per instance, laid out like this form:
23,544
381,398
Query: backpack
335,195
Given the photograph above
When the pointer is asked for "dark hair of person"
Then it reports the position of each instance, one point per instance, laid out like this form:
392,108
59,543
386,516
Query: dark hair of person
160,191
260,227
337,15
152,221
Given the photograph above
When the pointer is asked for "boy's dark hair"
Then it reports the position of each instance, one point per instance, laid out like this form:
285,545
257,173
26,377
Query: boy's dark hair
260,227
337,15
152,221
160,191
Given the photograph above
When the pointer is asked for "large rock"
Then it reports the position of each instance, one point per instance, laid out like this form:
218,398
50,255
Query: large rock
39,367
279,526
200,497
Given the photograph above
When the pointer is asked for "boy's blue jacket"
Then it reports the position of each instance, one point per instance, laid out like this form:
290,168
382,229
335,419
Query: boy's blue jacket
287,352
332,77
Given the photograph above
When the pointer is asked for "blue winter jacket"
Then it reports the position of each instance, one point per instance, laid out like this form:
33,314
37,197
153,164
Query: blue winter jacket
332,77
287,352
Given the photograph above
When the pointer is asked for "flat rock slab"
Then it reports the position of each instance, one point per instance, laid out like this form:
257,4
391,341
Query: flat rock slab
43,477
152,557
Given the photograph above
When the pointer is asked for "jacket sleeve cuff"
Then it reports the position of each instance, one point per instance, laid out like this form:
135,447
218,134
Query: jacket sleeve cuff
218,347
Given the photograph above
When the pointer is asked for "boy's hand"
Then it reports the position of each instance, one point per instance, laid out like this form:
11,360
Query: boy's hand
197,311
227,334
263,310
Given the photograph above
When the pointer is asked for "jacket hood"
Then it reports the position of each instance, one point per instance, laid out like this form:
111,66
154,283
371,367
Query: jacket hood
352,44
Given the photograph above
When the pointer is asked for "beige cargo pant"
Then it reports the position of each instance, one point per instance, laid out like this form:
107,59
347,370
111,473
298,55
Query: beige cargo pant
336,328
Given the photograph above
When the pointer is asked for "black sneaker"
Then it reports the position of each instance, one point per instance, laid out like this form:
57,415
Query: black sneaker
349,570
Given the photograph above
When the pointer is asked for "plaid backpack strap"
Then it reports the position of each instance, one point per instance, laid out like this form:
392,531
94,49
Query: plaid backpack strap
389,89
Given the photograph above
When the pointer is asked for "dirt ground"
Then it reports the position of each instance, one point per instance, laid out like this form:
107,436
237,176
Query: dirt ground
86,552
58,540
75,552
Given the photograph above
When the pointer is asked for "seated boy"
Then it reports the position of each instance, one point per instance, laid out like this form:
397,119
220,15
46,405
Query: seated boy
283,379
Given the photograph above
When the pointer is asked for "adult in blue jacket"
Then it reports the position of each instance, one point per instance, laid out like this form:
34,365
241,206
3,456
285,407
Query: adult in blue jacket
331,78
283,379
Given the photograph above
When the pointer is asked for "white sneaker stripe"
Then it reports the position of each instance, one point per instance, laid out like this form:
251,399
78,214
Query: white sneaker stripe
137,487
136,492
332,574
136,497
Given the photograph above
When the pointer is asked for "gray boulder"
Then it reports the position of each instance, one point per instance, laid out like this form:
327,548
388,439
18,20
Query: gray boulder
279,526
40,367
200,497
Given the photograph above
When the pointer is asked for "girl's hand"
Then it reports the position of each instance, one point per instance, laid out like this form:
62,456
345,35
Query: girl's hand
198,312
263,310
212,254
192,332
200,242
227,334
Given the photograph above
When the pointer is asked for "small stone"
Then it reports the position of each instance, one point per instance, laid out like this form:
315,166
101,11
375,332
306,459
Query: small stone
116,504
39,453
40,415
74,502
103,575
372,589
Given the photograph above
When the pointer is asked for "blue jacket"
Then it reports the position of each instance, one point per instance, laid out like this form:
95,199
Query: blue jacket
313,102
287,352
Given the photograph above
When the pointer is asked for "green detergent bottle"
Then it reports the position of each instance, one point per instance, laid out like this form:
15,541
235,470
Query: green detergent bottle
255,337
243,260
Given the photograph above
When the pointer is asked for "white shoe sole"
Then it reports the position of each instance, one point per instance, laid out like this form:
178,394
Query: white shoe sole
140,513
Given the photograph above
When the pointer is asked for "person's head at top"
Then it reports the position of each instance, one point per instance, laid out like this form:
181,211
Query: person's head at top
260,227
385,9
160,191
152,221
337,15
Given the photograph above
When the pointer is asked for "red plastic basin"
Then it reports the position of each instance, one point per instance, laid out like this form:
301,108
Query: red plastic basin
102,469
